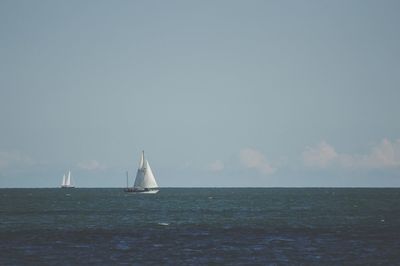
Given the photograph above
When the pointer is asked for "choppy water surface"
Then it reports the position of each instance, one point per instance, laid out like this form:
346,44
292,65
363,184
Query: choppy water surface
200,226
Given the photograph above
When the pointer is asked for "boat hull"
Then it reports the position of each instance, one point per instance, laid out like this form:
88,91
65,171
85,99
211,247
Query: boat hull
139,191
67,187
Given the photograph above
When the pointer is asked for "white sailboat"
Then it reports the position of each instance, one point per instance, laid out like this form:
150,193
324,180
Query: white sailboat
145,181
67,181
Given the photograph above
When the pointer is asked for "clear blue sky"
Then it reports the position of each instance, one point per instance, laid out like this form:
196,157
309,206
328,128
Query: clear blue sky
217,93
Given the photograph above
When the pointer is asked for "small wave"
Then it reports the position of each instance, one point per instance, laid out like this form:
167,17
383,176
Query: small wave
163,224
82,246
122,245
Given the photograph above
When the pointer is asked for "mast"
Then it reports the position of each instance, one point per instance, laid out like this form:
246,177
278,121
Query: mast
127,185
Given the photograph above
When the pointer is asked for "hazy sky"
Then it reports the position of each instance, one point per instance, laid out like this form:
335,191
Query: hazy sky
217,93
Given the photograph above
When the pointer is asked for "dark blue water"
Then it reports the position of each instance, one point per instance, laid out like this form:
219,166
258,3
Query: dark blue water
200,226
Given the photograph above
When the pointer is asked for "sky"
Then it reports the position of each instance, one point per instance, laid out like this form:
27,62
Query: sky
217,93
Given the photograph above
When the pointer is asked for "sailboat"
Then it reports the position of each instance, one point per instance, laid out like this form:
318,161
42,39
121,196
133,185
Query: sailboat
66,181
145,181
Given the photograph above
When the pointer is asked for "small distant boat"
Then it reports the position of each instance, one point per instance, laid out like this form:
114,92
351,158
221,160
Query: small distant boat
67,181
145,181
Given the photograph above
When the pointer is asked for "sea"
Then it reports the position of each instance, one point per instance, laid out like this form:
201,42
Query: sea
200,226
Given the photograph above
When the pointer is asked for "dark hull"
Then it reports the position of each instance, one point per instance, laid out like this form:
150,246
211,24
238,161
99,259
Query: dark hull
144,191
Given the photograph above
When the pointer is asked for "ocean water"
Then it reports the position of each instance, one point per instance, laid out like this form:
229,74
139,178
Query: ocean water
198,226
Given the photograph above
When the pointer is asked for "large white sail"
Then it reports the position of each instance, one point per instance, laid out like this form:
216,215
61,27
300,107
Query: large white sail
63,181
141,161
139,181
150,181
68,183
144,177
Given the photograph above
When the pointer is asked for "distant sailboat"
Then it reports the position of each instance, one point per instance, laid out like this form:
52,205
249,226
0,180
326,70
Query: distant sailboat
66,182
145,181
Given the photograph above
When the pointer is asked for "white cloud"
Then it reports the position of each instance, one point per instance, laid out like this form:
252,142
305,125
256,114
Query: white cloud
91,165
216,166
252,158
320,156
385,154
14,158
